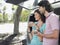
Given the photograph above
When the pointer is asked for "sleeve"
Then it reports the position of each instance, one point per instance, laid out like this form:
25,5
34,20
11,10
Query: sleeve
54,22
44,26
33,27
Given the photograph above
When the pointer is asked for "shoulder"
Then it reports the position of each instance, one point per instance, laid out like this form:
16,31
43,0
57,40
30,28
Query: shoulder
43,27
44,24
53,15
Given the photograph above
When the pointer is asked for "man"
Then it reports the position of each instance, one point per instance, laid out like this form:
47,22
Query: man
50,36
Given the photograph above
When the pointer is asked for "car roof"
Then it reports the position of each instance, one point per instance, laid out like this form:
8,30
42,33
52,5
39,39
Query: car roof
56,4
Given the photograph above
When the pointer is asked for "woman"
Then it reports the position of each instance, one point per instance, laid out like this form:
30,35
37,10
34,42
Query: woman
31,19
38,26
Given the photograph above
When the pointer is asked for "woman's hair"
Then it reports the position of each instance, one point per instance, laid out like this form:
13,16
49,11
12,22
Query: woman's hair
46,4
41,15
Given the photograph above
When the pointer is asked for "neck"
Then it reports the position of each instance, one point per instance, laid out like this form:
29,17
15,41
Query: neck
46,14
40,21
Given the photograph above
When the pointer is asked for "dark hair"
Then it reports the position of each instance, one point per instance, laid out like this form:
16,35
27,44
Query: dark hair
32,18
41,15
46,4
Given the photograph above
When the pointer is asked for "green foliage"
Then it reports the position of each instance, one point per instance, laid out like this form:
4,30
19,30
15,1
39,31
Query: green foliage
1,17
14,7
24,15
4,8
6,17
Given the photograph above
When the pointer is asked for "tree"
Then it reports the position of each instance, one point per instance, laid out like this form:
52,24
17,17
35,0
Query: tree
4,13
24,15
1,18
16,21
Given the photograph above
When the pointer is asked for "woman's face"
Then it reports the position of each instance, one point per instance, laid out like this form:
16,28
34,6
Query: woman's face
37,16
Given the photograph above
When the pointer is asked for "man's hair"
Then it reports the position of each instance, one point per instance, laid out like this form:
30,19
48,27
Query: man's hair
46,4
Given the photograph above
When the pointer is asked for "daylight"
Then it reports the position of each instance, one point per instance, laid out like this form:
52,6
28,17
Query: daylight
14,18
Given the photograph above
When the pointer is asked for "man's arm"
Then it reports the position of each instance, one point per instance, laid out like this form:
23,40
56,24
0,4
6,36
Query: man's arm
54,23
54,35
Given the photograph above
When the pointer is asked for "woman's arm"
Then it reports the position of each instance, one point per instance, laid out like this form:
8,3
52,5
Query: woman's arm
29,33
32,33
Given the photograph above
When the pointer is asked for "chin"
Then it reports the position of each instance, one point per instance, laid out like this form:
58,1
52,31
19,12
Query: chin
42,12
36,19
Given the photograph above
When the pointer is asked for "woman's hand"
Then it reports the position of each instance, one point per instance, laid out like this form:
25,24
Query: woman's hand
38,33
40,36
31,24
